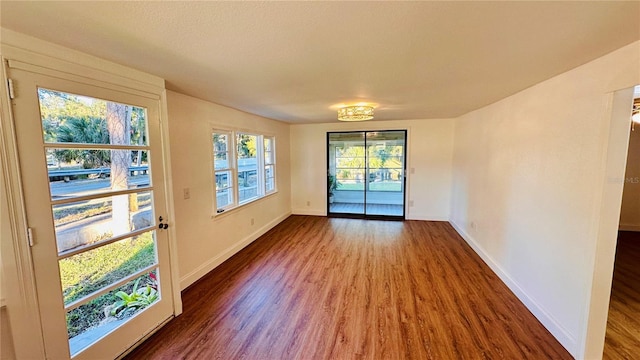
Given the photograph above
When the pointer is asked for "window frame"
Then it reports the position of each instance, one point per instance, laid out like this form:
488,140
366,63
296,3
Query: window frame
234,167
271,163
230,169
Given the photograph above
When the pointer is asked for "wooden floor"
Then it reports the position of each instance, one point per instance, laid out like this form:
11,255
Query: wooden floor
623,326
326,288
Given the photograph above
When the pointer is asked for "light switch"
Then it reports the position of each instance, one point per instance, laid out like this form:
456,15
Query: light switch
186,193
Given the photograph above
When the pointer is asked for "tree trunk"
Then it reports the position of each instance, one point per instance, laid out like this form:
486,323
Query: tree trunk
118,124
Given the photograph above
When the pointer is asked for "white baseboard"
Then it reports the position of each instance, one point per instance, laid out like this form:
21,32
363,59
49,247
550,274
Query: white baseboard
548,321
629,227
309,212
425,217
203,269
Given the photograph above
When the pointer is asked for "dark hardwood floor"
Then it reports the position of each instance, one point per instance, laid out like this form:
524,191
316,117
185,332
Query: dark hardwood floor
623,325
323,288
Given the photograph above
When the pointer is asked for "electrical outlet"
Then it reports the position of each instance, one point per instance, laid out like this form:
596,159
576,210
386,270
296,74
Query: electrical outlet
252,222
410,203
473,225
308,203
186,193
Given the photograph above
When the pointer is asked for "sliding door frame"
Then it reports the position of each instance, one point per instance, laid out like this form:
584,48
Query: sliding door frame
364,215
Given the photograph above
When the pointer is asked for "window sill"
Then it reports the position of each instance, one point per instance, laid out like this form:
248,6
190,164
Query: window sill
221,215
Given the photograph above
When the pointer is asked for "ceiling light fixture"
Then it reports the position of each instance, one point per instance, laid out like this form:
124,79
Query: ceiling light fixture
355,113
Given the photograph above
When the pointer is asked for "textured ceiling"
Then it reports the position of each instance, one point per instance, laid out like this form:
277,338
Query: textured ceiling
295,61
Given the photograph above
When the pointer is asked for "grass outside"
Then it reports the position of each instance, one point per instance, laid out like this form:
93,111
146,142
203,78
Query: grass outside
87,272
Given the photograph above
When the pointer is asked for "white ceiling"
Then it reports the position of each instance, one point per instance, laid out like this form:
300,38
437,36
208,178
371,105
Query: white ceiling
296,61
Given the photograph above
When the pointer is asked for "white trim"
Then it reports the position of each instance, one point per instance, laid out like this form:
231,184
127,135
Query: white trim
309,212
548,321
205,268
425,217
171,212
22,301
606,212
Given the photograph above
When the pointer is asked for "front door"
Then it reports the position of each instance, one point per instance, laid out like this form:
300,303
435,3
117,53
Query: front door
92,177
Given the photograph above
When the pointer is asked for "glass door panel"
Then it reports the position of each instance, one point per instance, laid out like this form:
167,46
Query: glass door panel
385,173
94,196
347,173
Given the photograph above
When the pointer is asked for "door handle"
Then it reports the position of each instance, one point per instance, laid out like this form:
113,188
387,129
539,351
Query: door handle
162,226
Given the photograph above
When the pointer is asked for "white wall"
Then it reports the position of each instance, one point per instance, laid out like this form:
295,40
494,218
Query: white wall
630,215
205,242
429,153
527,187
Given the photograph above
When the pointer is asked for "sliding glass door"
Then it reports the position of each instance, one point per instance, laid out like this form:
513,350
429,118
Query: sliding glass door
366,174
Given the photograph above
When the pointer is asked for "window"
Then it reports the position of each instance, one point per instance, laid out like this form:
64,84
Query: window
222,169
247,167
269,165
238,177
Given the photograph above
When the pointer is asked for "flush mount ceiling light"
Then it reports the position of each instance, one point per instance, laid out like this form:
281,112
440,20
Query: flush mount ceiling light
355,113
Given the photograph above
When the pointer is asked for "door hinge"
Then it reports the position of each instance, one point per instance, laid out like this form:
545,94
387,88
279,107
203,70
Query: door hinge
12,94
30,236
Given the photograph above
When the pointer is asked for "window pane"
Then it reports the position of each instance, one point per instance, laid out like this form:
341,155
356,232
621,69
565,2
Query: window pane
247,185
85,273
268,151
220,142
81,172
269,175
70,118
222,180
247,167
87,222
224,198
98,317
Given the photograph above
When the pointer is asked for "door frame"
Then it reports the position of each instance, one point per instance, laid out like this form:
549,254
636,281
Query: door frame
615,148
364,215
22,303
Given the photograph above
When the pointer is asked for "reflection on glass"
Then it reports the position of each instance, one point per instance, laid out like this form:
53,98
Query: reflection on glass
87,222
81,172
98,317
70,118
90,271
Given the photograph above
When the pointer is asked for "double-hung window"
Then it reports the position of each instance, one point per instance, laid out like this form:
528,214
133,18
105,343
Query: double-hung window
269,164
223,170
248,157
244,167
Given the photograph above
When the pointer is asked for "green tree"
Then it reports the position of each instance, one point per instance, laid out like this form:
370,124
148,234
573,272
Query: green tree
246,146
83,130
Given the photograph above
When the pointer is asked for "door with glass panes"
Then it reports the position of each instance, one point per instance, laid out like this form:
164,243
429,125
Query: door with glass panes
92,175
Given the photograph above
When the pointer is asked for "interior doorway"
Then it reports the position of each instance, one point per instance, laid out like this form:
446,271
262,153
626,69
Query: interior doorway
366,174
623,325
